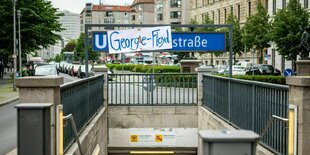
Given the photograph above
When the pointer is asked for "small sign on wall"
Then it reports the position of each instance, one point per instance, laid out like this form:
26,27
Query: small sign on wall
153,138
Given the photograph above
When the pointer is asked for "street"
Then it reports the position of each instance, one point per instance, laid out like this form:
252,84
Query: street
8,122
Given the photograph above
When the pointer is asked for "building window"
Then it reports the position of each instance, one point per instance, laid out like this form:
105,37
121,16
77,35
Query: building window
238,7
133,17
283,4
159,6
140,7
212,16
274,6
225,15
109,21
109,14
175,14
306,3
266,4
175,3
140,16
249,8
219,16
231,10
159,17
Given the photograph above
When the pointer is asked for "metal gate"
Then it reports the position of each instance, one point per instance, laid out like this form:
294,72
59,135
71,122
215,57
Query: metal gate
152,89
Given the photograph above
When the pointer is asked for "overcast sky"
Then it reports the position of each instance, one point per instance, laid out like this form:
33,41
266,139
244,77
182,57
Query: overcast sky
76,6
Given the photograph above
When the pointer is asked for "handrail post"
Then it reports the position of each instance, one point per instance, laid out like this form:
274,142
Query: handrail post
70,117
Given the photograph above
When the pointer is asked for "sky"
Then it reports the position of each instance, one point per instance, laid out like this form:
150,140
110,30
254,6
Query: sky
76,6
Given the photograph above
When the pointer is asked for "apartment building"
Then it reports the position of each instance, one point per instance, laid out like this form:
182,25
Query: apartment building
104,14
143,12
172,12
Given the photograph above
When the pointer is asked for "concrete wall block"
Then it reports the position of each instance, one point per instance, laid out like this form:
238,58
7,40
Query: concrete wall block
36,95
151,121
213,122
189,121
186,110
140,110
118,110
125,121
170,121
166,110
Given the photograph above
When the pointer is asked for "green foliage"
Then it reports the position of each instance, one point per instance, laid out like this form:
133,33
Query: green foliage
256,29
39,25
145,68
186,81
58,58
70,46
263,78
287,29
238,45
79,52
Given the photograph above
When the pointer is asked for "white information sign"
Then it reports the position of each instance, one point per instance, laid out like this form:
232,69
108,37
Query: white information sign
161,137
154,38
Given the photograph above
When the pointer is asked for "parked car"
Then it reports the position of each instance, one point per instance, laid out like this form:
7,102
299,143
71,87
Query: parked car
82,69
263,69
236,70
74,70
218,69
44,70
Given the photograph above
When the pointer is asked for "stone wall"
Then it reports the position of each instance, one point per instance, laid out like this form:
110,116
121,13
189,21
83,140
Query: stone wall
152,116
209,121
95,134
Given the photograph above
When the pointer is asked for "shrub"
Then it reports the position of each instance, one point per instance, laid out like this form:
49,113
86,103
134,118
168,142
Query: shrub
263,78
145,68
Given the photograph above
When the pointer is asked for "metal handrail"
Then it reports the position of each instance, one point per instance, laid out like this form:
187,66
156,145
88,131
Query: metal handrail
70,117
274,117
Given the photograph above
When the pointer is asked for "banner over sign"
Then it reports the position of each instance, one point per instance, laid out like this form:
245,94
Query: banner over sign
155,38
181,42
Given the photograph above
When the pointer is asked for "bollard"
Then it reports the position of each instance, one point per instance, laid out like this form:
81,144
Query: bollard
236,142
33,128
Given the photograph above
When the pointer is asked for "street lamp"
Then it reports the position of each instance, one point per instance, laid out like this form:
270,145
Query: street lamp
19,45
14,44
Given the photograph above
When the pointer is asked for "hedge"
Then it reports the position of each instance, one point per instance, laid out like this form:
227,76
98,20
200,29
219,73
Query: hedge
186,81
145,68
263,78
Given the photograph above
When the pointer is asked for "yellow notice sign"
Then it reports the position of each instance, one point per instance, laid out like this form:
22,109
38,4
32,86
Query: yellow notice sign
133,138
158,138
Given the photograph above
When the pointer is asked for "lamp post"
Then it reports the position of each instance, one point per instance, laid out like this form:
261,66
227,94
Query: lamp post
19,45
14,45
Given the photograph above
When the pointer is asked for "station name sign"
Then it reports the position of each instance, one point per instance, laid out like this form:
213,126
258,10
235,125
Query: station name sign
152,39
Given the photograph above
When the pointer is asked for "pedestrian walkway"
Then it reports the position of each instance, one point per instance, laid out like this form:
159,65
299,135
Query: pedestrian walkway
7,95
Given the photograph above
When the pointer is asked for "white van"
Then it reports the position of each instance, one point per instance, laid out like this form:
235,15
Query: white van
245,64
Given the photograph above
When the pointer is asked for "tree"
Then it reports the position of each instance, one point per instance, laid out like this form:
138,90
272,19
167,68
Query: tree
38,25
287,29
58,57
70,46
256,30
79,50
237,38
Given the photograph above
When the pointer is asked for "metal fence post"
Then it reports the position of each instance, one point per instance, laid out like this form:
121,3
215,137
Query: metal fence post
229,98
253,104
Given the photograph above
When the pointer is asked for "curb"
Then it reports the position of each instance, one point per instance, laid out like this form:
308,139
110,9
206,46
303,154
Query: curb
8,101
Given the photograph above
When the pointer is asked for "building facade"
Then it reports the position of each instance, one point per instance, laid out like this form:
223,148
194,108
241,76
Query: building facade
172,12
104,14
143,12
70,22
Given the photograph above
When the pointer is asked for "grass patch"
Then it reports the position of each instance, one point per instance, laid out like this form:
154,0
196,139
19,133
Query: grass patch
6,91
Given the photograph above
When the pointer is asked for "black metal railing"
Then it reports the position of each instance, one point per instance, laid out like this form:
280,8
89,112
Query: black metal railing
82,99
249,105
152,89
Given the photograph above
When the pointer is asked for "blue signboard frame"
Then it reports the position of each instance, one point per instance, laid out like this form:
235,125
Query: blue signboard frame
181,41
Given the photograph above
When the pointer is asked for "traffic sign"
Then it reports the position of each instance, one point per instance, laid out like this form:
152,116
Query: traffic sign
133,138
288,72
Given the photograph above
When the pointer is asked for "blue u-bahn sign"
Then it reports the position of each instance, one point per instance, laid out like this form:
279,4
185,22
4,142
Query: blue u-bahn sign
181,42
